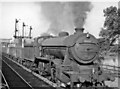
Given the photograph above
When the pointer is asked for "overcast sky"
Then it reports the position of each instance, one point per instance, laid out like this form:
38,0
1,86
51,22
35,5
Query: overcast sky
32,14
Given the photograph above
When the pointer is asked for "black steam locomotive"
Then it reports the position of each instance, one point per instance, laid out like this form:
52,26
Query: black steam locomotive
68,60
71,59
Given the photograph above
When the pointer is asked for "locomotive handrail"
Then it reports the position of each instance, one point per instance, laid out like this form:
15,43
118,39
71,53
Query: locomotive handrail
72,72
87,43
53,45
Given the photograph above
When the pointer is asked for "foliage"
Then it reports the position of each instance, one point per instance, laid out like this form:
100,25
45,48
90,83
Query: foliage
111,29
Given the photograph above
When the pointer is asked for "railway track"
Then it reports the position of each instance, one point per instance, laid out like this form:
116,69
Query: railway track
3,83
44,79
13,78
43,83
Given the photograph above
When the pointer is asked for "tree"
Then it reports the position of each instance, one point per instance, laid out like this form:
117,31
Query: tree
111,29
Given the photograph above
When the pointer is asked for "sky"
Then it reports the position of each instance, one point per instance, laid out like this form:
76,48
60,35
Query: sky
35,14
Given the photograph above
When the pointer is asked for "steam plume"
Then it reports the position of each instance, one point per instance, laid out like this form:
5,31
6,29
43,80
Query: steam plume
65,15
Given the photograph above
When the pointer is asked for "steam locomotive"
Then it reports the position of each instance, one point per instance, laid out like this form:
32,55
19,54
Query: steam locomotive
68,60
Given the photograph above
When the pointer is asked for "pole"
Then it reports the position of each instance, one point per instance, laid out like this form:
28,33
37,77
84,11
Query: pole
23,29
16,21
30,31
23,34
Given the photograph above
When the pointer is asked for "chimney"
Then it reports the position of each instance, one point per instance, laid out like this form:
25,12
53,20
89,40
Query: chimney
79,30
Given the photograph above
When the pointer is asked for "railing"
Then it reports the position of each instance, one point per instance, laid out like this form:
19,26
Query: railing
113,69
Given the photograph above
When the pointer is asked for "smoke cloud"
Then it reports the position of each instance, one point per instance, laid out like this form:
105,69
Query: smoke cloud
65,16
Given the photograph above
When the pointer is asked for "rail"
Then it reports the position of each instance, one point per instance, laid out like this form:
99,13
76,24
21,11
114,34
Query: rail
5,84
35,74
18,75
113,69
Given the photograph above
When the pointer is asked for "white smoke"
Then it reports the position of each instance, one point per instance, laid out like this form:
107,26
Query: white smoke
68,15
65,15
52,17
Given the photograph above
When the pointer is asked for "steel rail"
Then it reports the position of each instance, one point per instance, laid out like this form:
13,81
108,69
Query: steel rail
4,79
35,74
18,74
